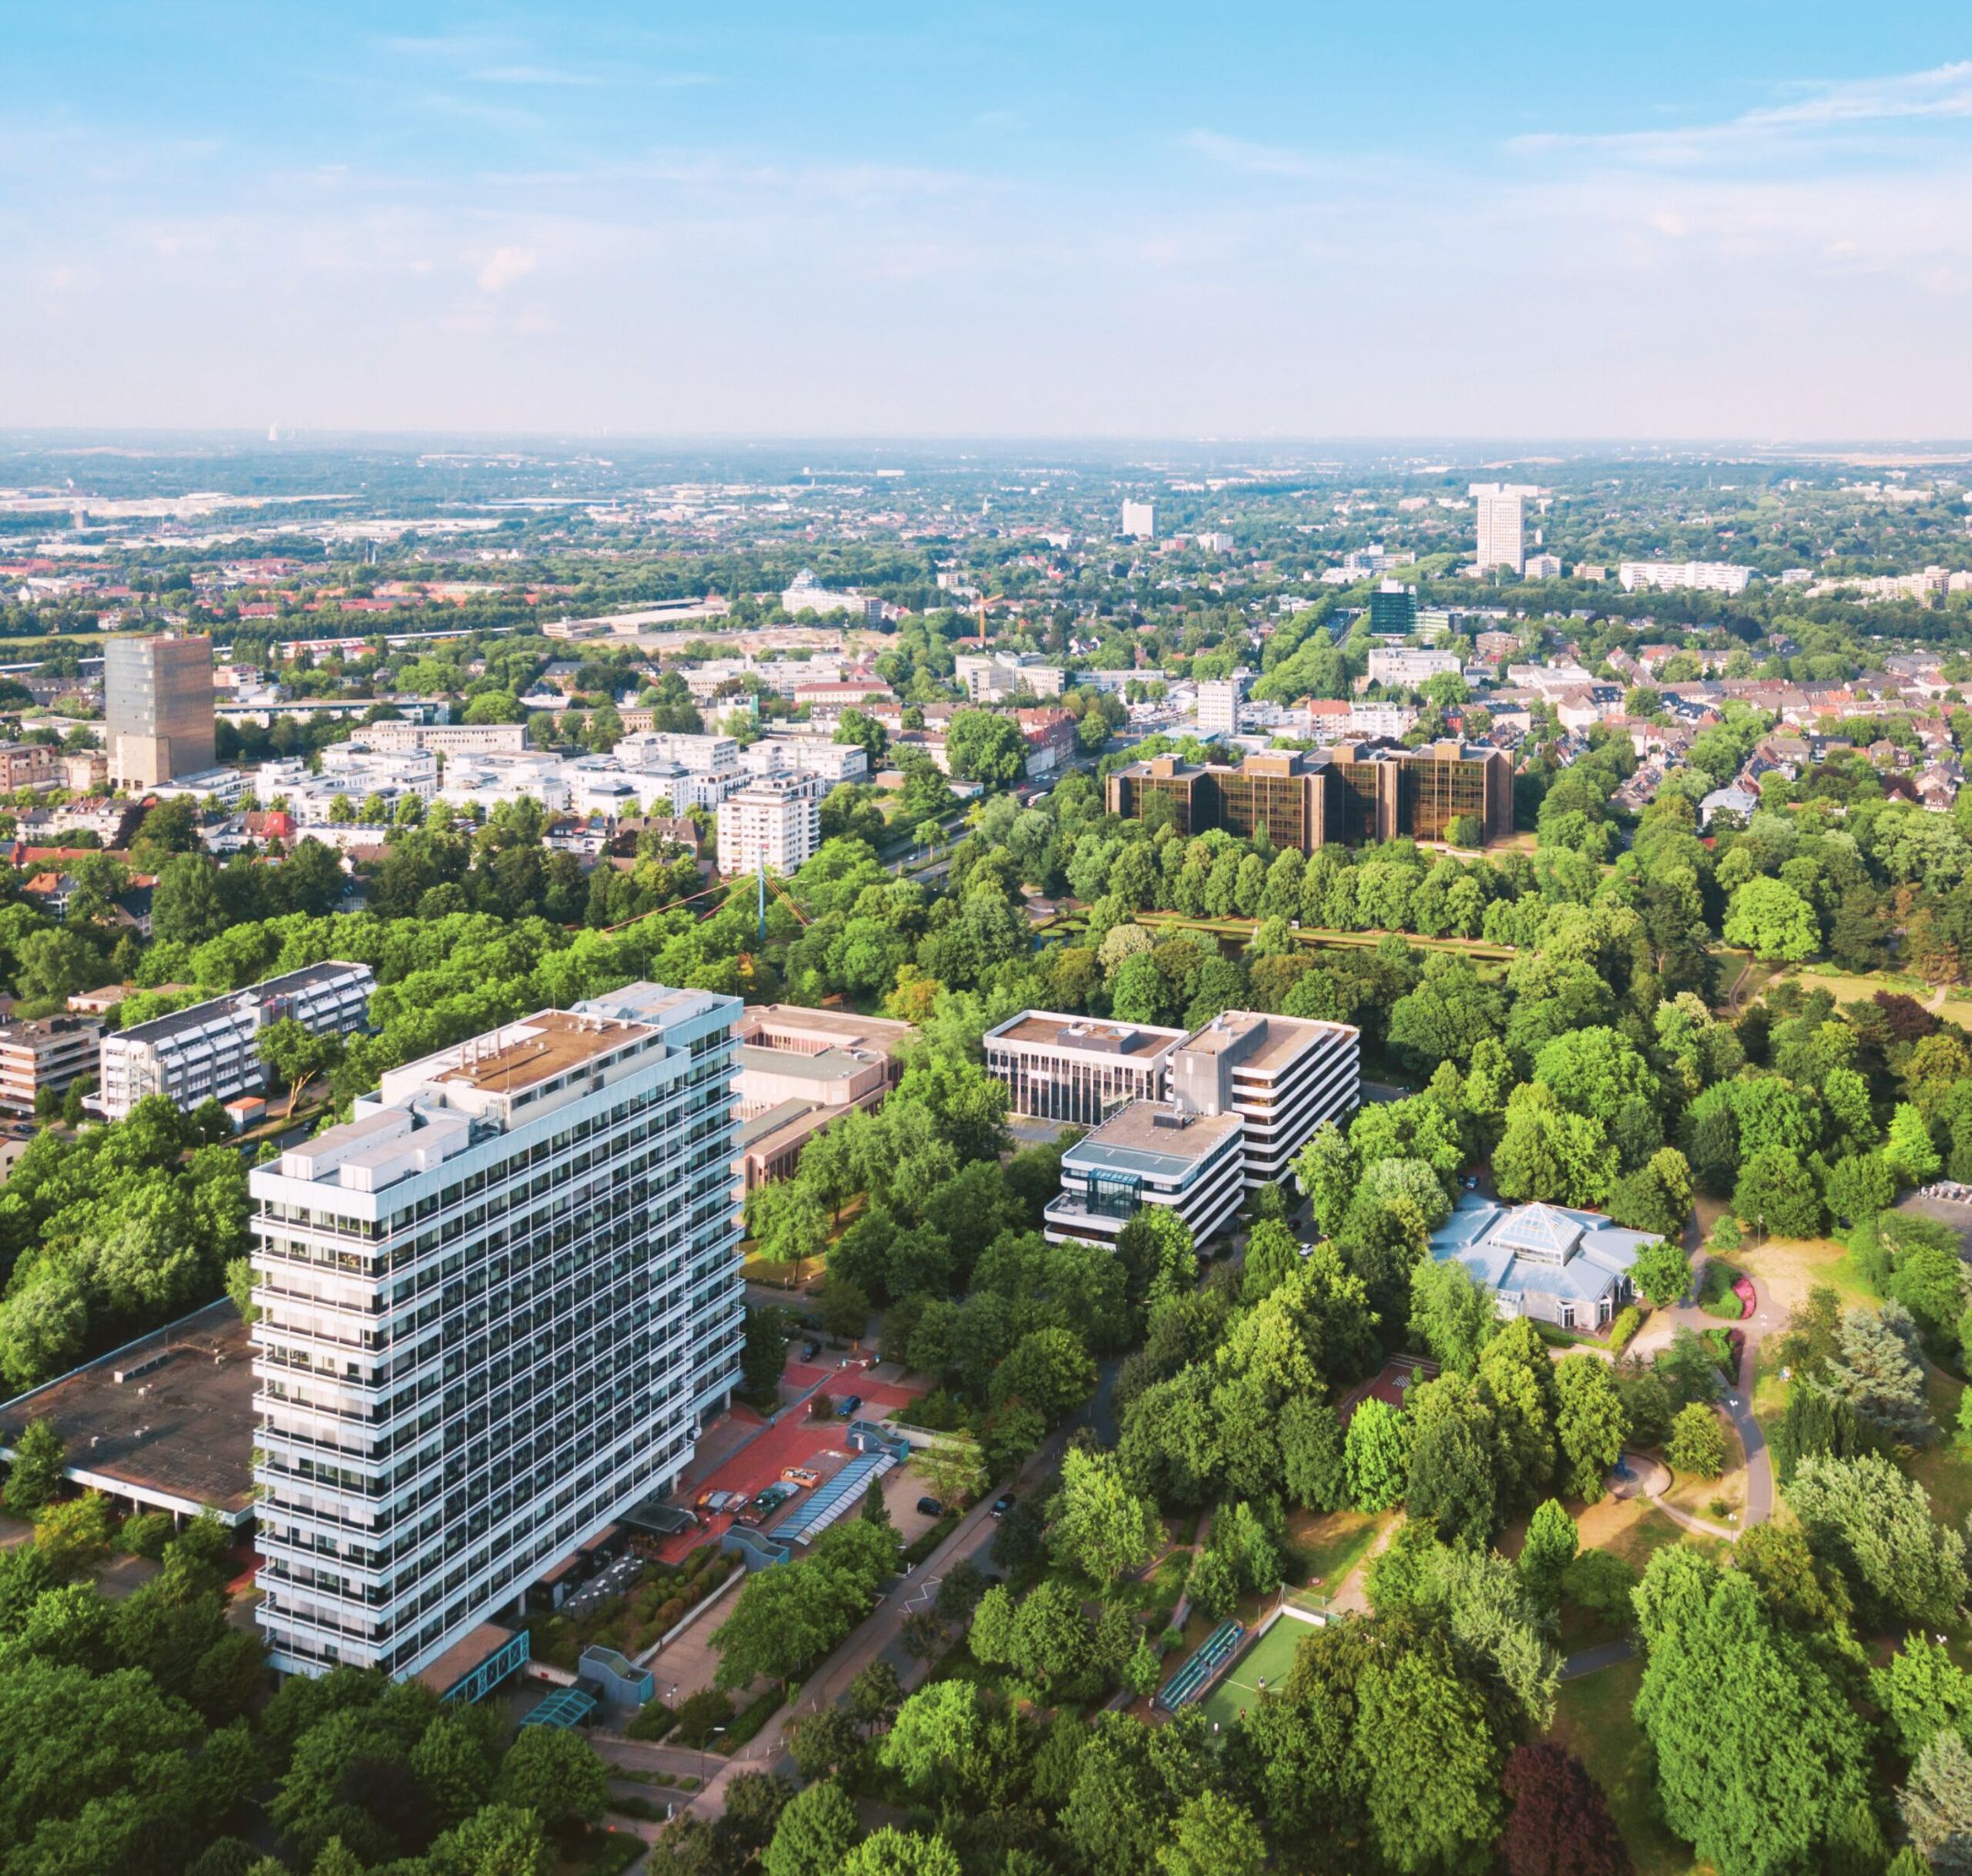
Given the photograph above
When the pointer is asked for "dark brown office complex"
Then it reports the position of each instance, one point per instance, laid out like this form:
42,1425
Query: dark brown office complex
1351,795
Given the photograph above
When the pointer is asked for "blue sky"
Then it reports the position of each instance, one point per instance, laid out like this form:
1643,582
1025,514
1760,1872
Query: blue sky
1732,219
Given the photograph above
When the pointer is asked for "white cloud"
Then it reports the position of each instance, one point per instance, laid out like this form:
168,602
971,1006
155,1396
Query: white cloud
1253,158
507,266
1943,92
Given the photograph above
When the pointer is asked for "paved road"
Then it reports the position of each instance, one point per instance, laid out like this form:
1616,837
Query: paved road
1593,1660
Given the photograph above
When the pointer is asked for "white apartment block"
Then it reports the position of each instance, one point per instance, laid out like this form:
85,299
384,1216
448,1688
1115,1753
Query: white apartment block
347,772
1219,704
775,822
990,675
1501,540
1381,719
808,595
446,738
1148,1155
494,1308
1542,567
1667,576
208,1052
489,782
1406,665
807,755
657,748
1140,520
1212,542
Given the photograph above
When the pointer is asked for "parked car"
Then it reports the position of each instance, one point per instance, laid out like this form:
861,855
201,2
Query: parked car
850,1405
931,1507
801,1475
810,1349
1003,1503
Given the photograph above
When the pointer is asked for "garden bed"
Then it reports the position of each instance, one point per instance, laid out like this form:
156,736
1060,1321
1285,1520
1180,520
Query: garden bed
635,1620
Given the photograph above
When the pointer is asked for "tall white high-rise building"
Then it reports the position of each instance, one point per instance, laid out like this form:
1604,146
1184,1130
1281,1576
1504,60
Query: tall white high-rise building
494,1308
1219,704
1140,520
775,821
1501,542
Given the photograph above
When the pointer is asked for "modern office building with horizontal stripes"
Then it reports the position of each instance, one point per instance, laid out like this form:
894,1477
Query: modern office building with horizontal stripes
494,1309
1275,1079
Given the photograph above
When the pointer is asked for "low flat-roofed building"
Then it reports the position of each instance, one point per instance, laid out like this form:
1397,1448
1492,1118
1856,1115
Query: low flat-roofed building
1078,1069
1150,1155
165,1422
1549,1262
48,1052
801,1070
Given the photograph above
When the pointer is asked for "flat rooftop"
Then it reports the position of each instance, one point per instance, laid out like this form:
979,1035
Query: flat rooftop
1284,1038
196,1015
176,1431
828,1064
1048,1030
846,1025
537,1049
1135,1140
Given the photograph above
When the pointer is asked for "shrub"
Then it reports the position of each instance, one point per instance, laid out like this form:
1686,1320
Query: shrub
652,1721
756,1713
698,1715
1600,1582
670,1613
1622,1332
146,1533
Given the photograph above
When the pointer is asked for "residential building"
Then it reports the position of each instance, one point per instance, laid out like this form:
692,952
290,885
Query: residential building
809,755
702,754
1078,1069
775,823
1409,667
208,1052
1570,1269
446,738
85,771
1214,542
1218,705
48,1052
158,708
1665,576
1050,738
495,1307
989,676
1500,541
1139,521
1541,567
29,764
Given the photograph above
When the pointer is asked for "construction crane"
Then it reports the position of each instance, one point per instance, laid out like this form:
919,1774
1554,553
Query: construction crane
785,898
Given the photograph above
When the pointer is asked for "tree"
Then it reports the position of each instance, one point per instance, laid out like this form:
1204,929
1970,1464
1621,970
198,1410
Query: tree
556,1774
1656,1198
1213,1836
1698,1442
1591,1425
892,1852
815,1833
1922,1693
1551,1546
1776,1193
1432,1762
1662,1272
1769,919
34,1475
1311,1456
294,1054
1452,1315
1757,1751
789,1225
1937,1805
1375,1455
953,1469
858,726
1908,1150
764,1355
1100,1526
1876,1372
1048,1368
1874,1522
1560,1824
985,748
1273,1254
1451,1482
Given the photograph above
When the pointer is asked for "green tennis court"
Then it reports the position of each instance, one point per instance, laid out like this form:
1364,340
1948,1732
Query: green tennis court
1269,1659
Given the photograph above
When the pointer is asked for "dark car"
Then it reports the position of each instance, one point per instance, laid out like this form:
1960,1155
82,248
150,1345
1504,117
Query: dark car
810,1349
1003,1503
931,1507
850,1405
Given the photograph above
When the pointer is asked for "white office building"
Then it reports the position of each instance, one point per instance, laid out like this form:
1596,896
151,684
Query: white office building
807,755
657,748
776,821
1501,540
808,595
210,1051
987,676
1140,520
494,1308
1219,704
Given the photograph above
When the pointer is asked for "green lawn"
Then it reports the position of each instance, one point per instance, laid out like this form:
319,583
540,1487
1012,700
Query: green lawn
1330,1544
1944,1468
1592,1720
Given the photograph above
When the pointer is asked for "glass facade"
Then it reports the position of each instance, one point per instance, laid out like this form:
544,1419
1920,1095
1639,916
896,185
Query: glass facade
1435,793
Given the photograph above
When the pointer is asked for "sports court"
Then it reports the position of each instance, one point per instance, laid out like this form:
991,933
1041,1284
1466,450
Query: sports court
1270,1659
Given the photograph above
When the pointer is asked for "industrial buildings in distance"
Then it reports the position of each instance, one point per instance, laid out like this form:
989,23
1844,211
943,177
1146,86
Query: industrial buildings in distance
1348,795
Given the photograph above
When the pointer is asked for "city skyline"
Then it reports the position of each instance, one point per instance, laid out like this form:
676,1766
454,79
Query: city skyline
997,224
